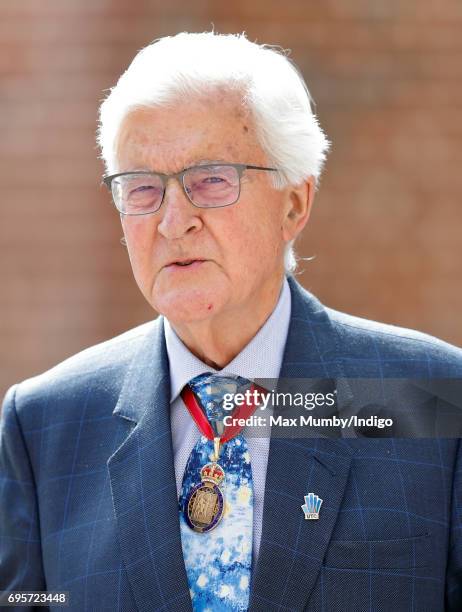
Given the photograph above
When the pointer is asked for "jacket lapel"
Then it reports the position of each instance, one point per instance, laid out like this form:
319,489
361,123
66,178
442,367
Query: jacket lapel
292,548
143,482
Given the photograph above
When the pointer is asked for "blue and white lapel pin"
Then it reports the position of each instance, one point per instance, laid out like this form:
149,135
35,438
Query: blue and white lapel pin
311,506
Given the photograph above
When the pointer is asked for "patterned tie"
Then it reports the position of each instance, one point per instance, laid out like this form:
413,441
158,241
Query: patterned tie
218,562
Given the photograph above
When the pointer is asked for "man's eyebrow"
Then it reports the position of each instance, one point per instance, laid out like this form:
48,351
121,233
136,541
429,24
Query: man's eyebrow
210,161
199,162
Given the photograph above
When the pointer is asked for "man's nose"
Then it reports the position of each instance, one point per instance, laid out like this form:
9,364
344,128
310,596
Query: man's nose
179,216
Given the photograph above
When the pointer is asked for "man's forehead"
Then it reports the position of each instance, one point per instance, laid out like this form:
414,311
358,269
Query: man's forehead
184,135
172,156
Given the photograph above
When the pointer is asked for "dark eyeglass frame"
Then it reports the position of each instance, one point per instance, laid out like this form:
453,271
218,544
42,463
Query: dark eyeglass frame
179,176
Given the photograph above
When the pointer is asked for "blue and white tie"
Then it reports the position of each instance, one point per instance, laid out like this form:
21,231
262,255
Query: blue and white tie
218,562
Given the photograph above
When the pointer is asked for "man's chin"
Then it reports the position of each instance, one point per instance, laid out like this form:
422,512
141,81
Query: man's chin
187,305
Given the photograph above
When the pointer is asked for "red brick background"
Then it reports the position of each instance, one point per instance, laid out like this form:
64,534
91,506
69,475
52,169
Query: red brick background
386,228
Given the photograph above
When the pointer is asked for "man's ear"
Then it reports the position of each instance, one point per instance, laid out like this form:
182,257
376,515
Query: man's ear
298,205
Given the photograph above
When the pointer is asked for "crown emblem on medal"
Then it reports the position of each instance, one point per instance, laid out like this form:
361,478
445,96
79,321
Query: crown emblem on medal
312,506
212,472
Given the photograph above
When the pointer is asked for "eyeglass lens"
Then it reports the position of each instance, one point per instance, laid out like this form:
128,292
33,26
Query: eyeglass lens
206,186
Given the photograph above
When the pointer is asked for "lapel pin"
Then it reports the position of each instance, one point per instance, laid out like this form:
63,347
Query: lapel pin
311,506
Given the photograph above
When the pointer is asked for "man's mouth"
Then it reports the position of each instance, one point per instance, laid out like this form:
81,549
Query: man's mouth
185,263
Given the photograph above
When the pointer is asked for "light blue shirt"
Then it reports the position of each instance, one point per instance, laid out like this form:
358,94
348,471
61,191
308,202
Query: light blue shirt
260,359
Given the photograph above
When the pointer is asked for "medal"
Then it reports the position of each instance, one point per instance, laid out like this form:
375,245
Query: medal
204,504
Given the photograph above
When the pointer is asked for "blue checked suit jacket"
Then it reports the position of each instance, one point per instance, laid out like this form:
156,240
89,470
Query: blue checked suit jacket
89,504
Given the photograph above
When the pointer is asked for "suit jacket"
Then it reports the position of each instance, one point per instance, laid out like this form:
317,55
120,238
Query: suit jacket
89,502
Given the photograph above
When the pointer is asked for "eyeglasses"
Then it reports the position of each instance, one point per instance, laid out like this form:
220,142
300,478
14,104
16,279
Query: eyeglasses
206,186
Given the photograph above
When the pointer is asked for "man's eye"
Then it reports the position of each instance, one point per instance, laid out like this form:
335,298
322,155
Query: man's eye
143,191
213,179
141,188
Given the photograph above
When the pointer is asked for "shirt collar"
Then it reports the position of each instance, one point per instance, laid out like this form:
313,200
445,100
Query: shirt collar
260,358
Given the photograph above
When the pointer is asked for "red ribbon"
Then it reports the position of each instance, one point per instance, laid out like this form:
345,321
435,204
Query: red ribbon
202,422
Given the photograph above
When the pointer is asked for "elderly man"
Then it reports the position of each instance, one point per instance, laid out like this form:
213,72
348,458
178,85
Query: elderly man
121,482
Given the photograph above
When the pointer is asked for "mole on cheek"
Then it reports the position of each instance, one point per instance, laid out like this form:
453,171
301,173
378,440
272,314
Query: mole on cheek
209,307
245,128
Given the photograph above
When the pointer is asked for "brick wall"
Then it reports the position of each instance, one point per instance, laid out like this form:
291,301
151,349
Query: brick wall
385,230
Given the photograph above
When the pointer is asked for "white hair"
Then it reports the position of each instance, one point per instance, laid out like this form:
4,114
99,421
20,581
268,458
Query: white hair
191,64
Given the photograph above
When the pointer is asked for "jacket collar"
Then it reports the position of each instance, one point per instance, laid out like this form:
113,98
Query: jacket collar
312,349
